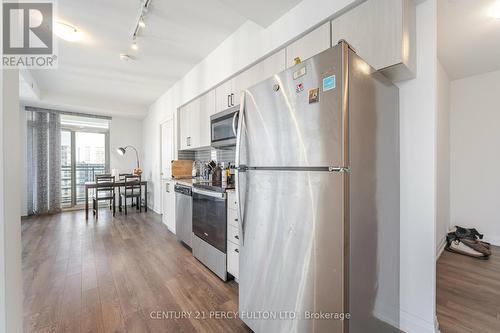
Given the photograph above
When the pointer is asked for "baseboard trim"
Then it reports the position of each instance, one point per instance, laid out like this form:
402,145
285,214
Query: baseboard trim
154,210
440,248
410,323
493,240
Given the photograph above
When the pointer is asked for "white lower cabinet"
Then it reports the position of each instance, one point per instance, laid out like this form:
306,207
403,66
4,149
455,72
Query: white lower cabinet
233,237
233,260
168,204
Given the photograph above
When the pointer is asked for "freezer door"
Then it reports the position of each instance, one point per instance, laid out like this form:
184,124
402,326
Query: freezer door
295,117
292,255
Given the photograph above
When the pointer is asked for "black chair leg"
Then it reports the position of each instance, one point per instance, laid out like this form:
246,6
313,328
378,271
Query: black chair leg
114,207
125,199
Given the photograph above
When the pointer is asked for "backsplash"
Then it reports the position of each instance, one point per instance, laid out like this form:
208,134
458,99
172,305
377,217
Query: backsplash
207,154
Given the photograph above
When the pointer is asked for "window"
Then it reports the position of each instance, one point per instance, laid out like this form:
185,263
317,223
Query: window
84,154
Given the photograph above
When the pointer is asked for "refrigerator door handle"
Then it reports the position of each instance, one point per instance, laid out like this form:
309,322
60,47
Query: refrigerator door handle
238,188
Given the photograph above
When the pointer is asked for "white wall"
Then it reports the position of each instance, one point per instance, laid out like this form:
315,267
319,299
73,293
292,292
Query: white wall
11,311
475,154
418,121
124,132
443,158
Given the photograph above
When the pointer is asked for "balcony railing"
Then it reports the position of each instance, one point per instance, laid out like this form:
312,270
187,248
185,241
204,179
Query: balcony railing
83,173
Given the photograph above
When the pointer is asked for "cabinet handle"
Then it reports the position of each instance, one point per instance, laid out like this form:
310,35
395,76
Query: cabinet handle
168,187
236,220
237,237
228,100
232,99
236,250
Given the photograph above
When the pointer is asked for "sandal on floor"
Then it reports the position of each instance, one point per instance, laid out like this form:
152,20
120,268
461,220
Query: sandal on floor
467,247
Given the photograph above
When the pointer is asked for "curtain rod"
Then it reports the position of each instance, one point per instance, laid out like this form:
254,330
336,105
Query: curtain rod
79,114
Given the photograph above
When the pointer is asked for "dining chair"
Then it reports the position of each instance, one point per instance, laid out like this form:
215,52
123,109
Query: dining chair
104,191
121,177
132,190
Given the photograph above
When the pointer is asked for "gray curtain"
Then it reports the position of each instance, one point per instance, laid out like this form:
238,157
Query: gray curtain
44,162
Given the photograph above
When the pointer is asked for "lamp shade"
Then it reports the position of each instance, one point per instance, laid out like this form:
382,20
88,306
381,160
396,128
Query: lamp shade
120,150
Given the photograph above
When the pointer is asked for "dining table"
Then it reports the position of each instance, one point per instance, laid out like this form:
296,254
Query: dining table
119,183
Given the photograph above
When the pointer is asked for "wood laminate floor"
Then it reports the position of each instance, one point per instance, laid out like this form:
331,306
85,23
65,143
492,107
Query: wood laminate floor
110,275
468,293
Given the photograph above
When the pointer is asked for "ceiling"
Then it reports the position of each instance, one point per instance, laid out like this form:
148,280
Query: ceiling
178,34
468,38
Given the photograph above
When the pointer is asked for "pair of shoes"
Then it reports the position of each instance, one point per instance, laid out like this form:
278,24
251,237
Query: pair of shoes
465,241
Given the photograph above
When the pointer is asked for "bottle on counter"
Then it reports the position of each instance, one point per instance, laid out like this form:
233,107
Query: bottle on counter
224,173
194,170
217,174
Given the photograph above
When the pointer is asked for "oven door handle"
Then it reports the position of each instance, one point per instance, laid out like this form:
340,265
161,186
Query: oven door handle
210,193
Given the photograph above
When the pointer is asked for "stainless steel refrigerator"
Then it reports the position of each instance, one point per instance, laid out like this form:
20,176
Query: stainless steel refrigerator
318,197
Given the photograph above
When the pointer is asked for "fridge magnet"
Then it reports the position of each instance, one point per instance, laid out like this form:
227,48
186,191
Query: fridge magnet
299,88
299,73
329,83
314,95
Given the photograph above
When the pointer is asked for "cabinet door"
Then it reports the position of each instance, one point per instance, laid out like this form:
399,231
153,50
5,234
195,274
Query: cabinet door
168,212
223,95
183,127
381,31
194,124
308,46
233,259
268,67
259,72
207,109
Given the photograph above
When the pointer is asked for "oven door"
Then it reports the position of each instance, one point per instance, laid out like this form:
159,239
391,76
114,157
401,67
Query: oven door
223,128
209,217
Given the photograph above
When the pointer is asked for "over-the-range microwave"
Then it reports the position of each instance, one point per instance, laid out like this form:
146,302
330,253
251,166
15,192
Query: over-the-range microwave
223,127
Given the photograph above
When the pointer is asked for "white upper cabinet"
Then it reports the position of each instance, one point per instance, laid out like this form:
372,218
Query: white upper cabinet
228,94
225,96
261,71
383,33
308,46
207,109
184,127
194,122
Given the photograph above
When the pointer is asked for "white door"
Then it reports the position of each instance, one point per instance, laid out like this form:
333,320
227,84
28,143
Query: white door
167,155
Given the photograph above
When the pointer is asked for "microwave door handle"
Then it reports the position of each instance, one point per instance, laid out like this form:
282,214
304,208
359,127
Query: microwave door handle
235,116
